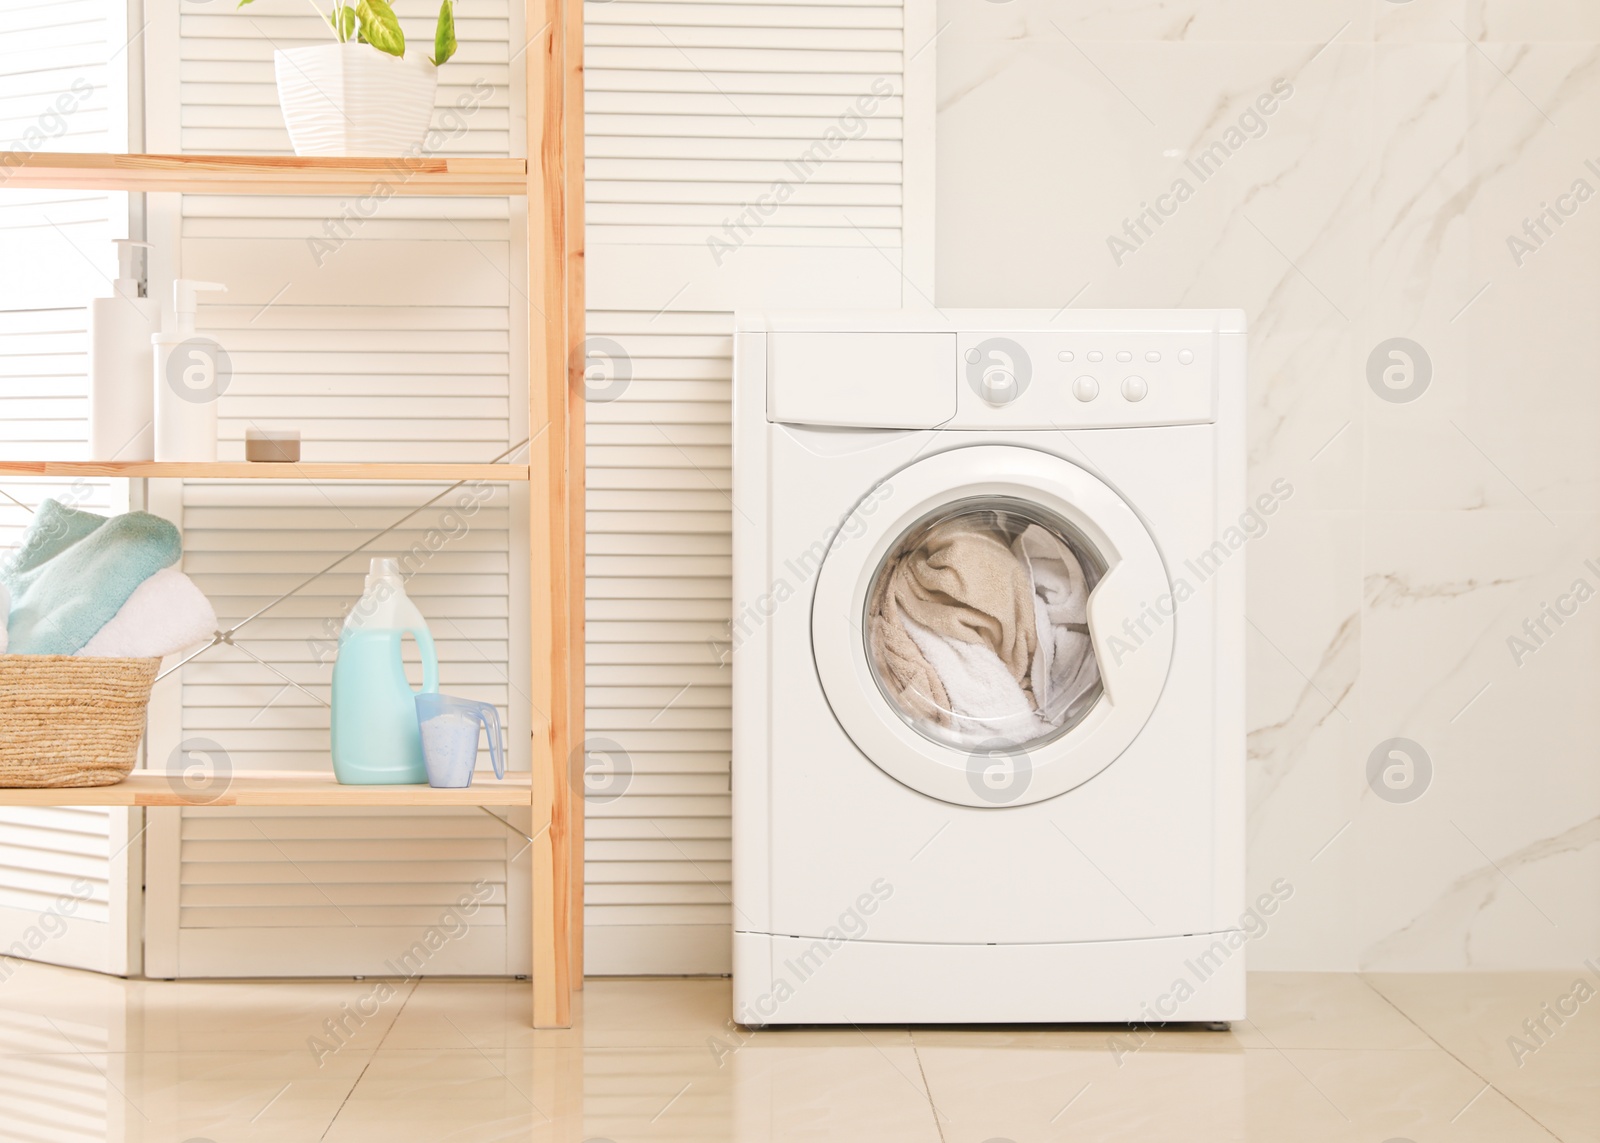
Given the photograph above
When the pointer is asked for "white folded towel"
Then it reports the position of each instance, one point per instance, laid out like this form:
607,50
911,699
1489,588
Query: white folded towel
5,614
988,706
165,614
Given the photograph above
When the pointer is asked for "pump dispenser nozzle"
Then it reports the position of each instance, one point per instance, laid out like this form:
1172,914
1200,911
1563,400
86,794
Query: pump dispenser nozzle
184,301
130,282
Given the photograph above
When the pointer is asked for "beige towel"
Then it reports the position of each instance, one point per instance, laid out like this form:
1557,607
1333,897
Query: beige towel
963,583
911,680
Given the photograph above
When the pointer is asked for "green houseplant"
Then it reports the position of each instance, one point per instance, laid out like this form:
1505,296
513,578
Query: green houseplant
359,94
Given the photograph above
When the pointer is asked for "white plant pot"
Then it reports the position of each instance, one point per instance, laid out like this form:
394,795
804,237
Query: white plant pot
351,99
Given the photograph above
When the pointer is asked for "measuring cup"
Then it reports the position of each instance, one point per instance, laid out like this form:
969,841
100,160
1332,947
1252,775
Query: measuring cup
449,728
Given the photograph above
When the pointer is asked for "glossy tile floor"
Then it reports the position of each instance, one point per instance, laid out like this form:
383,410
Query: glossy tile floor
1370,1059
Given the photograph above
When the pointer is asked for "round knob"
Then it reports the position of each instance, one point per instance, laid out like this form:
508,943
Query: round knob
999,385
1134,388
1086,388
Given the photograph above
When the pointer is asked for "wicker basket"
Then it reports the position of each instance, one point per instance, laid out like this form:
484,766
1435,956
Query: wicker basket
67,721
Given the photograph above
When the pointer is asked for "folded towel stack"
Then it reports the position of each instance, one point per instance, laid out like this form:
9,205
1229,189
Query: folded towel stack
83,584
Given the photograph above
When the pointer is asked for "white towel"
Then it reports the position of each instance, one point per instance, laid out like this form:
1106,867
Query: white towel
1064,666
988,706
5,615
165,614
1057,575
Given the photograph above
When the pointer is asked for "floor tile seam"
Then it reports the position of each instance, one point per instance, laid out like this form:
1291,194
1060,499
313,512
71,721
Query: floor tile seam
927,1092
345,1102
1532,1118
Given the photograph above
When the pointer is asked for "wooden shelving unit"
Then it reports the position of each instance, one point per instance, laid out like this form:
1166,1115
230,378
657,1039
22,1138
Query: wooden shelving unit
552,181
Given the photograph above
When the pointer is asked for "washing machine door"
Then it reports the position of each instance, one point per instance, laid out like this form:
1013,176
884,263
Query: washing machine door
993,626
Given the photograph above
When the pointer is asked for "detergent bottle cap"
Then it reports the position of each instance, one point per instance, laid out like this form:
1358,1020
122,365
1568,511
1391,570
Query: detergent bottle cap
382,567
383,601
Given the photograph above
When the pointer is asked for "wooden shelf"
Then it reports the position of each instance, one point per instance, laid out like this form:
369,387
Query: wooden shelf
547,126
266,174
252,470
275,788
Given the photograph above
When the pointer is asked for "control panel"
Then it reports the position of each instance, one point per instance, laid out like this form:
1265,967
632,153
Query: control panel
1077,379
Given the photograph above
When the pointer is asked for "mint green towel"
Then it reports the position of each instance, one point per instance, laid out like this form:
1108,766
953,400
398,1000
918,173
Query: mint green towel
53,530
75,570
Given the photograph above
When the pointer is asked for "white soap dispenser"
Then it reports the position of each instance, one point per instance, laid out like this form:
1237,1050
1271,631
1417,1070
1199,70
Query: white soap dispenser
191,372
121,402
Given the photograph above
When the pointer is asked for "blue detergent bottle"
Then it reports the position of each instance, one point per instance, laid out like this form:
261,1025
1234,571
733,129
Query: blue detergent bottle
375,736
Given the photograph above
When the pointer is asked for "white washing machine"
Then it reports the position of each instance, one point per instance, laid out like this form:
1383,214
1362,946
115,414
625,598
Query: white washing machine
988,666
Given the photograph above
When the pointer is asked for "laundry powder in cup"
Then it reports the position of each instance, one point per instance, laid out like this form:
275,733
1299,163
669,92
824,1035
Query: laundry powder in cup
450,748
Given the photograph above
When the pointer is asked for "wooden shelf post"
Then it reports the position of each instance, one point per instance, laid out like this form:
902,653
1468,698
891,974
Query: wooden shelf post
555,318
576,359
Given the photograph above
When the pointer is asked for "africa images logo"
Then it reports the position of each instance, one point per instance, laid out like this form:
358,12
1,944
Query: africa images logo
998,370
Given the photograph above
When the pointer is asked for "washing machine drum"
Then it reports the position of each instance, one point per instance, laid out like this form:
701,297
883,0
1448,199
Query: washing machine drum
993,626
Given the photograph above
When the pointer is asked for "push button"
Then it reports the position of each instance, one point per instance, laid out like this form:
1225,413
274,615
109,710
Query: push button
1064,355
1152,355
1186,356
1134,388
1086,388
1096,355
1124,355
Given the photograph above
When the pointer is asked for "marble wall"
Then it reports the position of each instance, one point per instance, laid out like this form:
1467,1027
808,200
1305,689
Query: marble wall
1355,172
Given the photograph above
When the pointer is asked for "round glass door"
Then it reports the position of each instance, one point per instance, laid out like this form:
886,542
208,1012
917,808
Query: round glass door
971,629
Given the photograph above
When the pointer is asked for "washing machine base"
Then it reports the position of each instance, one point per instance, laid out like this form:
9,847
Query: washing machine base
805,980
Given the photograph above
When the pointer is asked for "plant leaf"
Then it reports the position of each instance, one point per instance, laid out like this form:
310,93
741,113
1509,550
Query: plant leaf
444,35
381,27
346,22
241,4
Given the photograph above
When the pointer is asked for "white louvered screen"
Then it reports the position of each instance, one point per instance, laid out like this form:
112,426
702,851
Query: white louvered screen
738,155
695,111
230,101
65,893
383,331
659,576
